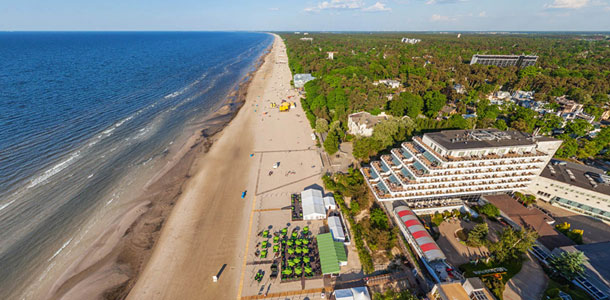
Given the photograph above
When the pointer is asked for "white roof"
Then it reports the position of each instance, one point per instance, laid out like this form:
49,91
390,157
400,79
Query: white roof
336,228
329,201
312,202
357,293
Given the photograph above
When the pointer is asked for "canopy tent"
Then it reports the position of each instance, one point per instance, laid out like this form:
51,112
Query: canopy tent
313,205
329,203
332,254
356,293
336,229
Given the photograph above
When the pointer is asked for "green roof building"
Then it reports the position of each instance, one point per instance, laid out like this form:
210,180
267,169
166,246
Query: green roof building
332,254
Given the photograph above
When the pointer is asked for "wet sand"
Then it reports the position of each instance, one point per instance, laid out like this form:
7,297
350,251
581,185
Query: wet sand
114,261
209,226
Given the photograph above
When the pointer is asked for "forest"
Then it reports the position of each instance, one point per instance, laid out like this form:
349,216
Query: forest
568,65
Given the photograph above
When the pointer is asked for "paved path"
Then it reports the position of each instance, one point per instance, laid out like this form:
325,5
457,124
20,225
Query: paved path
529,283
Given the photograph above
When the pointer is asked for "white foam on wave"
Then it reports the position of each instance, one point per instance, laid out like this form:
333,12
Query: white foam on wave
5,205
54,170
60,249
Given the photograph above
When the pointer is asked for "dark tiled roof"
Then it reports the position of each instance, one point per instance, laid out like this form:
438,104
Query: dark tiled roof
558,170
481,138
530,218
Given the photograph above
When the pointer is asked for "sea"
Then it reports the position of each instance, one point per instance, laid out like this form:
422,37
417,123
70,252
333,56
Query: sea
82,115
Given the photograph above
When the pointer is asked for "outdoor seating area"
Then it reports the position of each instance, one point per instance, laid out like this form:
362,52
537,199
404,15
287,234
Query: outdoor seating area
296,207
294,253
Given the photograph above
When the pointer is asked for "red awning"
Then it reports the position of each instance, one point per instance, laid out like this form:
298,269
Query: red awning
410,223
419,234
403,213
428,247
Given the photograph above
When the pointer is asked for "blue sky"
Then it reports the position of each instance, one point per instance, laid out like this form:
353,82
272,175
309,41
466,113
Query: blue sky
330,15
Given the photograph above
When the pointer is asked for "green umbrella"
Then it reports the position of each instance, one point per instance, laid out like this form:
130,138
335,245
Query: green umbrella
308,269
291,263
298,250
276,239
265,244
296,260
306,229
266,233
284,231
305,241
290,250
294,234
298,270
287,271
276,248
305,250
264,254
290,242
298,242
306,259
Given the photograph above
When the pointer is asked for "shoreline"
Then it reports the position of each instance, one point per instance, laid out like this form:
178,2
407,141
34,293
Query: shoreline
111,266
204,232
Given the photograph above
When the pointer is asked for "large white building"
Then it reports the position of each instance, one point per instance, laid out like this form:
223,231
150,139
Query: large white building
576,187
362,123
313,205
457,163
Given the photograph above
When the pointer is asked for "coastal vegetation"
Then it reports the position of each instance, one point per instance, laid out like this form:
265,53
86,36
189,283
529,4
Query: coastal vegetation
369,224
428,73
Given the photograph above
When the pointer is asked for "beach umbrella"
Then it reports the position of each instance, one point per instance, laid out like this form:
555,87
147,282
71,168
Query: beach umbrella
290,243
276,239
298,250
287,271
276,248
296,260
306,259
291,263
264,254
308,269
298,270
298,242
306,229
294,235
290,250
284,231
305,250
305,241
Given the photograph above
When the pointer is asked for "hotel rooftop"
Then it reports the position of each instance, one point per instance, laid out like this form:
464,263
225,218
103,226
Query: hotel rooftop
455,163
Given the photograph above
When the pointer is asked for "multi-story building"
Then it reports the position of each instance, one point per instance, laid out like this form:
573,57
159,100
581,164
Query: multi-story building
576,187
362,123
459,163
520,61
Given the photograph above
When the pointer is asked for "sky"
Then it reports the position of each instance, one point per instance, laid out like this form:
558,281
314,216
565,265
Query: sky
307,15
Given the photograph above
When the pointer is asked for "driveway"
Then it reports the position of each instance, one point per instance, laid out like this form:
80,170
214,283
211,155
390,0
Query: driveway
529,283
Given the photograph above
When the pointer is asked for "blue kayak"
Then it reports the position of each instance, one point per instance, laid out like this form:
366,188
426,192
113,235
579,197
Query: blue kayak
243,195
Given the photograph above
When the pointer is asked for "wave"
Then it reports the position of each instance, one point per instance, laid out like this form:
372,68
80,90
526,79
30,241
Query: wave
60,249
54,170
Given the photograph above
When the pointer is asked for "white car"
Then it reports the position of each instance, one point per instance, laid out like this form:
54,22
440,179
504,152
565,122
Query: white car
277,164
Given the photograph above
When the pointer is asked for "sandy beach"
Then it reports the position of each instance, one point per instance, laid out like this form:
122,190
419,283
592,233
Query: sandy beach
211,225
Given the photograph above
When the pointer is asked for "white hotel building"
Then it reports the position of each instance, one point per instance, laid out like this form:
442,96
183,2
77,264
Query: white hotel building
459,163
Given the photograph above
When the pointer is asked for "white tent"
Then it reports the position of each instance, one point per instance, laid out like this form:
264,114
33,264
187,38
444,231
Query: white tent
329,203
313,205
357,293
336,229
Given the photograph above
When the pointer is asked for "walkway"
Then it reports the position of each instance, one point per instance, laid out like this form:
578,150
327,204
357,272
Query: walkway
529,283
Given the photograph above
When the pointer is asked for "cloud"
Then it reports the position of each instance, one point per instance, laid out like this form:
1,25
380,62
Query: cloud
378,6
430,2
439,18
572,4
347,5
274,8
337,5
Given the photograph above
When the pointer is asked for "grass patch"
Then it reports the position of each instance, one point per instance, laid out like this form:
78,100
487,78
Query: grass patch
552,291
496,286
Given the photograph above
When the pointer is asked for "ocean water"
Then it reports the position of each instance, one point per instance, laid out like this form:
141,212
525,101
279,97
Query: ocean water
82,112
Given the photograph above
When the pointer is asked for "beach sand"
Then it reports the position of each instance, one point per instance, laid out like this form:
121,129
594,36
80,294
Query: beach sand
211,224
